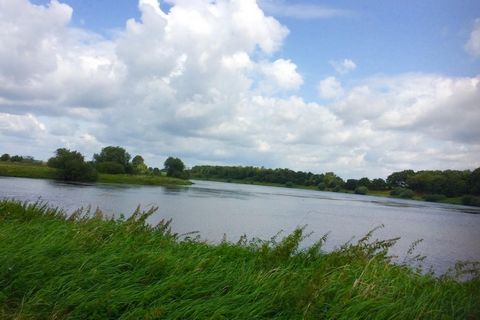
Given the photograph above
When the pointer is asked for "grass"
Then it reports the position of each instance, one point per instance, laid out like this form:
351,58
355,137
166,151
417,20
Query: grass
41,171
26,170
141,179
88,267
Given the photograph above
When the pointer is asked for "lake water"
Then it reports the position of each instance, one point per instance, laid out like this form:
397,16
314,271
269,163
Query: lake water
450,233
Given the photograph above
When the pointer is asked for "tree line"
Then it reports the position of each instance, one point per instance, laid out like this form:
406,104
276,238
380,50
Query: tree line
72,166
432,185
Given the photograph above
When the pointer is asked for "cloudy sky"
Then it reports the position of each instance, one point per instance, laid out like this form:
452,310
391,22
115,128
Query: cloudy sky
361,88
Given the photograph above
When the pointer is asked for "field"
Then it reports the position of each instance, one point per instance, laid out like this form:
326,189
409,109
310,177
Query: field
90,267
41,171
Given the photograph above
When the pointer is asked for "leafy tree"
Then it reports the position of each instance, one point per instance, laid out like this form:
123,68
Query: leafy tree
473,182
71,166
138,165
399,179
378,184
16,158
351,184
361,190
365,182
175,168
110,167
110,155
5,157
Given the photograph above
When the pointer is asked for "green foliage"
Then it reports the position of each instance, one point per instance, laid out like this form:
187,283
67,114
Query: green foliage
138,165
321,186
112,155
473,182
470,200
154,180
71,166
175,168
361,190
378,184
87,267
27,170
399,179
110,167
289,184
351,184
267,176
402,193
5,157
434,197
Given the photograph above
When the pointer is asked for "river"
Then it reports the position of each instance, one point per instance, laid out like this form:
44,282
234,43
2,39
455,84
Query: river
450,233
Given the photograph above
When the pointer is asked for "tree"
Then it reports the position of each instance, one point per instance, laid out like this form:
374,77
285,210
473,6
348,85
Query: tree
110,155
175,168
71,166
351,184
138,165
378,184
399,179
474,182
5,157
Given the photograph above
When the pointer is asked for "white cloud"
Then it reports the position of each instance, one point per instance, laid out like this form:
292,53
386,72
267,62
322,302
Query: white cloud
283,74
343,67
473,44
191,82
330,88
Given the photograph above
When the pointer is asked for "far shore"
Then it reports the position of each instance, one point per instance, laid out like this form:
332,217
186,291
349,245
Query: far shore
41,171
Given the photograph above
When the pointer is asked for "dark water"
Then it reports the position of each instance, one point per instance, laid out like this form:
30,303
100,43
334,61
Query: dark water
450,233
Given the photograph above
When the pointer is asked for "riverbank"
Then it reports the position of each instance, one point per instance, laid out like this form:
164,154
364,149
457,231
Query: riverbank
41,171
78,267
378,193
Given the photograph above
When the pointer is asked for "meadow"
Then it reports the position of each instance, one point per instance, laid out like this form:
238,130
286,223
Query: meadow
88,266
42,171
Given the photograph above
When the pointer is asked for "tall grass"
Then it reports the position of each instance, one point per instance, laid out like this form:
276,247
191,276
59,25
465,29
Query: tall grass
87,266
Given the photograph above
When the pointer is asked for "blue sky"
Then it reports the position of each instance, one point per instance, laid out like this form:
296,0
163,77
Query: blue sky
355,87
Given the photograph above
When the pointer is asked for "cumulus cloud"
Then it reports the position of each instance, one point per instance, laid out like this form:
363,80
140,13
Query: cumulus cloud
203,81
473,44
330,88
343,67
283,74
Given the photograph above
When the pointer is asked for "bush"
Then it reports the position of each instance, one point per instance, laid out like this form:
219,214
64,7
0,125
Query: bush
288,184
361,190
402,193
470,200
321,186
337,189
110,167
434,197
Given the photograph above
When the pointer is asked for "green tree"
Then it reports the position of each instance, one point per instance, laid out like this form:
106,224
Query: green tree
71,166
5,157
399,179
175,168
473,182
138,165
110,155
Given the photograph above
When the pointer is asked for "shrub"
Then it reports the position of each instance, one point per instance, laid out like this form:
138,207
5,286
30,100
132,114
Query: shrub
288,184
110,167
321,186
407,194
470,200
434,197
361,190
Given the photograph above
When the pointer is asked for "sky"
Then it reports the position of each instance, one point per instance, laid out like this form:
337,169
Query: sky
360,88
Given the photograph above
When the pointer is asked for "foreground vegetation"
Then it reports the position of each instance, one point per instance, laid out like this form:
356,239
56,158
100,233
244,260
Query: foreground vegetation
80,267
41,171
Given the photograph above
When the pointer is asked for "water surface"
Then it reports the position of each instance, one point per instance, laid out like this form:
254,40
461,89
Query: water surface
215,209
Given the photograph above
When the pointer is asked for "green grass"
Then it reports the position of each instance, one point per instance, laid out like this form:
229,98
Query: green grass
54,267
41,171
26,170
141,179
